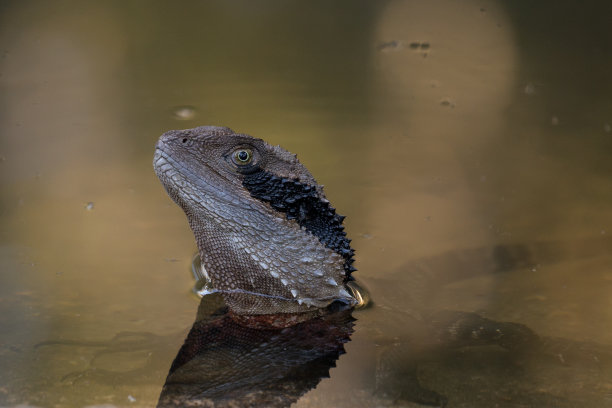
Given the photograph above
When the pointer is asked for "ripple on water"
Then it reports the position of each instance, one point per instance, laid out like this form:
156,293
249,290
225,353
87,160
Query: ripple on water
203,285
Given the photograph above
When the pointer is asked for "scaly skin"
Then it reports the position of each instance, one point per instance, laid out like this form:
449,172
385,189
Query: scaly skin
267,236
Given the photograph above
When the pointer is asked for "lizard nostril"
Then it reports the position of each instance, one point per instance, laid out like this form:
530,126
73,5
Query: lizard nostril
185,140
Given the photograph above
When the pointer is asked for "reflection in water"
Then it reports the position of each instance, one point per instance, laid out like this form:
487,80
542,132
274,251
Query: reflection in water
224,363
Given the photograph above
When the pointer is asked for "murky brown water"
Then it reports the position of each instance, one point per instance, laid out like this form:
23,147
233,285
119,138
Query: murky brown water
442,129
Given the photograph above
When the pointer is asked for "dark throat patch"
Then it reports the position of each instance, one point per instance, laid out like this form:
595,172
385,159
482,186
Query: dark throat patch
301,202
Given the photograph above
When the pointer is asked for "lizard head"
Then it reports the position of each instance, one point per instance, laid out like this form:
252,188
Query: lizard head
267,236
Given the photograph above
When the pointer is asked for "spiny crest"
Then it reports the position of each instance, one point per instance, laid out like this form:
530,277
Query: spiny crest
283,163
285,155
304,204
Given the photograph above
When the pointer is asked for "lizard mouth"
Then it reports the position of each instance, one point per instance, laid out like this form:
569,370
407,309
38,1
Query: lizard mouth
180,180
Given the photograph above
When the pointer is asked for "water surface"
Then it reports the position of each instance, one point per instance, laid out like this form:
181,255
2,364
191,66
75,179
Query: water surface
467,142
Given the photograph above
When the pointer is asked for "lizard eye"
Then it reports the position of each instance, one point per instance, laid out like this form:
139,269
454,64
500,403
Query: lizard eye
242,156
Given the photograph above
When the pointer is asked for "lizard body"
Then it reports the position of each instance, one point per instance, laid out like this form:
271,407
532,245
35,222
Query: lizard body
267,236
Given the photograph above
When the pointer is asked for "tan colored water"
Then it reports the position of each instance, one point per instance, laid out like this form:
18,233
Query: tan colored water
440,128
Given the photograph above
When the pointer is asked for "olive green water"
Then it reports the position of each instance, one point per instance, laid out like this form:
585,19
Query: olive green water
442,129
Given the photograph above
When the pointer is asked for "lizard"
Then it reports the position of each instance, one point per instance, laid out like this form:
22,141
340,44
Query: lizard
268,238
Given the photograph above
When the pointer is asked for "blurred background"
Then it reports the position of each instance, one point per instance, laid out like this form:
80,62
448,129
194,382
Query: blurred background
440,128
